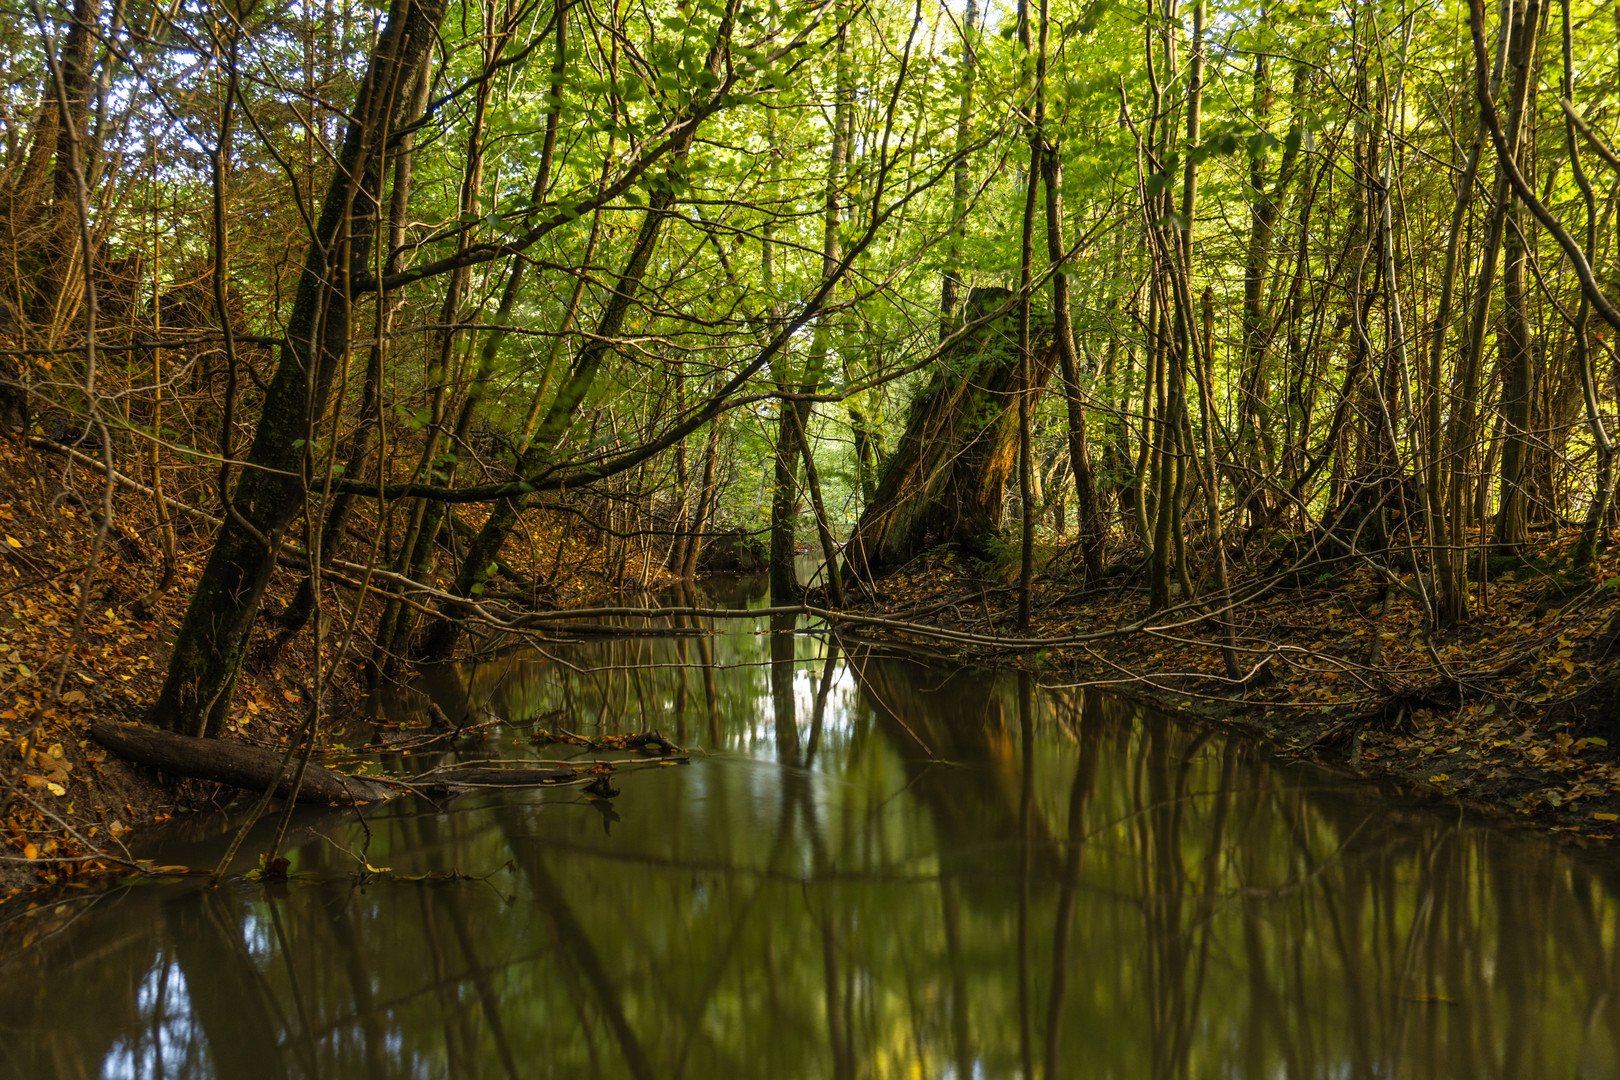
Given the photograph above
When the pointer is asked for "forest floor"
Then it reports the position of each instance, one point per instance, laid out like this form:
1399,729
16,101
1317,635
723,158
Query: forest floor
1516,711
68,805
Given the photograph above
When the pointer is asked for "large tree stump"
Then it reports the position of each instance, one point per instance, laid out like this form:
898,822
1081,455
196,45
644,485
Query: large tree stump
947,478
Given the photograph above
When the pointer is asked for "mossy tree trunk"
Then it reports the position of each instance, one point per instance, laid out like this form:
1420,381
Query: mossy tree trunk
213,637
947,478
1513,336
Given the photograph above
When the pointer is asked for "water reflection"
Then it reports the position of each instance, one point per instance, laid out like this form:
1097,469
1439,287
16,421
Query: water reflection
883,869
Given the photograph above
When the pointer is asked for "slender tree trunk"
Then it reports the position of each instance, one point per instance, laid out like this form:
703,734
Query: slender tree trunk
705,503
1603,486
675,558
1026,366
61,288
1160,213
784,579
1201,363
1093,528
785,495
160,504
1463,430
829,546
1446,517
479,562
950,291
1256,443
1513,333
369,425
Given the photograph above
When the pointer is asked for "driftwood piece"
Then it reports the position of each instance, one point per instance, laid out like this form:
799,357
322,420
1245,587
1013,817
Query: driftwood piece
649,742
465,777
232,763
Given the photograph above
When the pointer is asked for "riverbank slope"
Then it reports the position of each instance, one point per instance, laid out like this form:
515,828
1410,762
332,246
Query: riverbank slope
1514,711
84,636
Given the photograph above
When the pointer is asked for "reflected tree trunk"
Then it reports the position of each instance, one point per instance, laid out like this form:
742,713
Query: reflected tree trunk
1075,835
240,1027
782,692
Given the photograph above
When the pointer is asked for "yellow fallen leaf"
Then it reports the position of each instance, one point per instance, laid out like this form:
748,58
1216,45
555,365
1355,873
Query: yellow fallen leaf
30,851
56,789
13,541
1606,817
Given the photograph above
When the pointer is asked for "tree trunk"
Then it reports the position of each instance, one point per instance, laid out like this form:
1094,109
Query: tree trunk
950,289
1093,529
793,417
1585,552
1513,333
60,287
705,503
479,562
948,475
213,638
369,423
248,767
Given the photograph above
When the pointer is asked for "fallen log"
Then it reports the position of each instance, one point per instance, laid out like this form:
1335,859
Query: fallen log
650,741
240,766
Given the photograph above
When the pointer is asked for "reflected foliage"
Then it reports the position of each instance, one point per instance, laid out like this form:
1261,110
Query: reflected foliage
881,869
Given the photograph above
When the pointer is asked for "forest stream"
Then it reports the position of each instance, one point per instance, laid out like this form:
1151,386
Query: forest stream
871,867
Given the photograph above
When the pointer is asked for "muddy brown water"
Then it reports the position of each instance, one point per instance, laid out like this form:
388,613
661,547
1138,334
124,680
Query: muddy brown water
878,868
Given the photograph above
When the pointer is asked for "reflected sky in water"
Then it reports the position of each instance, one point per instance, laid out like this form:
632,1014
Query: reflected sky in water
874,868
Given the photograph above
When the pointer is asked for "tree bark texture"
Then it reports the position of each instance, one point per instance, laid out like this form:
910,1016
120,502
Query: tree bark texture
249,767
947,478
213,637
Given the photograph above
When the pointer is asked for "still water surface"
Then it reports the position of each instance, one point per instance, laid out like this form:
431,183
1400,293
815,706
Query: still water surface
881,869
